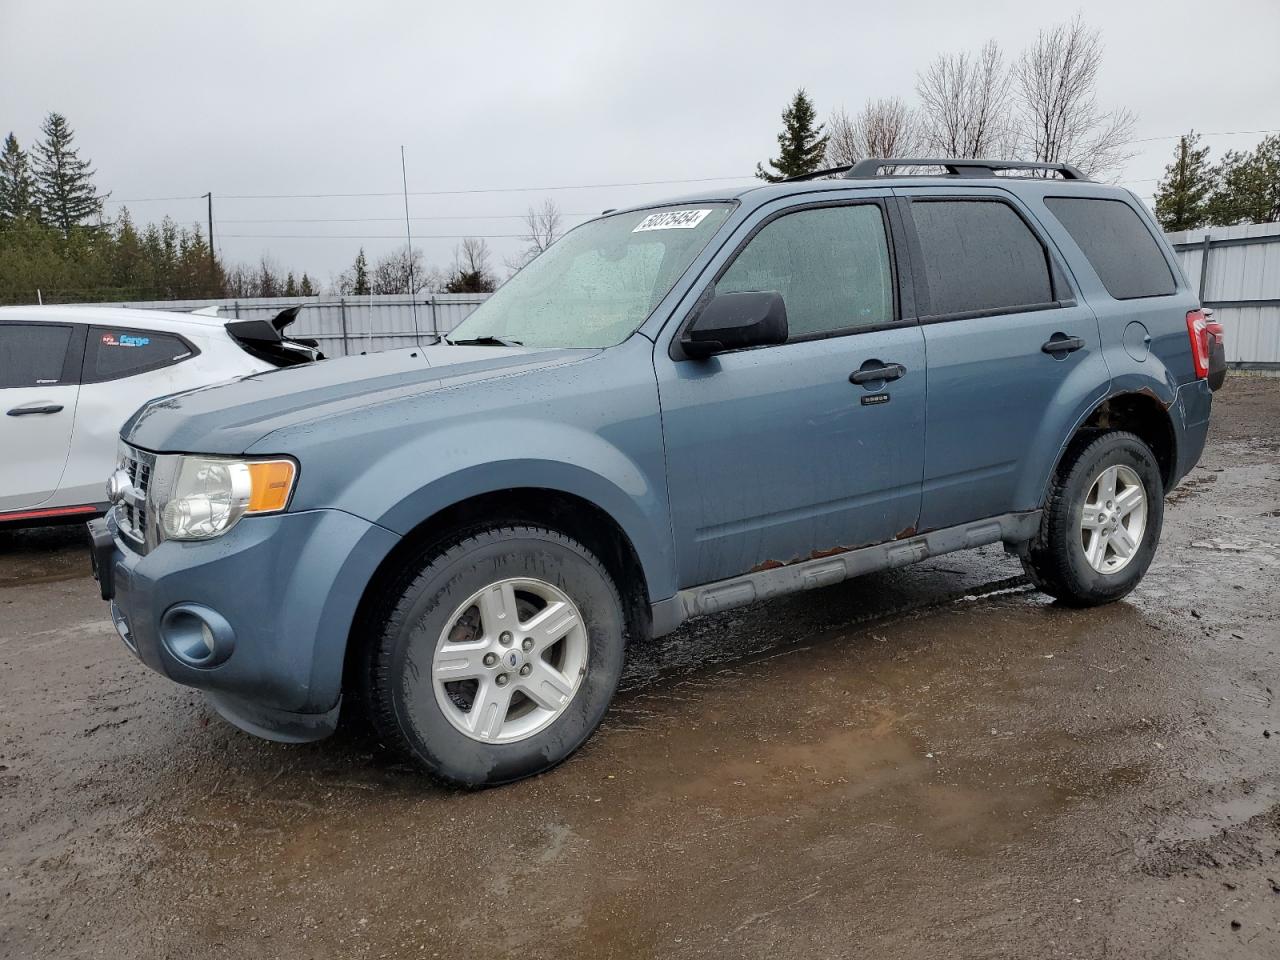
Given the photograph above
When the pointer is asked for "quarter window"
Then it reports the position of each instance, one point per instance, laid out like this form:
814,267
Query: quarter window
113,353
32,354
831,265
980,257
1118,245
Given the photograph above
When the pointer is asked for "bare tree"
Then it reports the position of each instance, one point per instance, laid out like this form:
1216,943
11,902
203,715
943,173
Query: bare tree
883,128
1059,120
394,271
471,272
964,104
542,229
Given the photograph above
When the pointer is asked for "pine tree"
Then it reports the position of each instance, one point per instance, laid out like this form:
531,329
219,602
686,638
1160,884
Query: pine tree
1183,193
17,189
305,287
360,280
1248,186
290,285
63,182
801,144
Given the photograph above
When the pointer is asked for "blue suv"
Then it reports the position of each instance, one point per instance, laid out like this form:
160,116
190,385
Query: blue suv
675,410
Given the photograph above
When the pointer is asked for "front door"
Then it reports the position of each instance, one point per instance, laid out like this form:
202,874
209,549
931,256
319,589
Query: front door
39,373
773,454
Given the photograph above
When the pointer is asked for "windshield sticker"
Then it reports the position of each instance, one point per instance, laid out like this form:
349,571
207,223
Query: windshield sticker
671,220
124,340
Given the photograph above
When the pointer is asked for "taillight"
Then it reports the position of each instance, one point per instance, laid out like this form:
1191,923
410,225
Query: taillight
1198,331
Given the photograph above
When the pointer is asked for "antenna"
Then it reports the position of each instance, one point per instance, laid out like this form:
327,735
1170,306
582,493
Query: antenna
408,234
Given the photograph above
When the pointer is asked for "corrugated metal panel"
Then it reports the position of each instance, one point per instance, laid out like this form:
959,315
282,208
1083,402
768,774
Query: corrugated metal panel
1237,271
346,325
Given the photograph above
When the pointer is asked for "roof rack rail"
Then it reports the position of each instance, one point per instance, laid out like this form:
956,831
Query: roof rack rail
817,174
866,169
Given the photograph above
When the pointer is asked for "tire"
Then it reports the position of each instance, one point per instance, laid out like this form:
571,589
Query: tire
448,621
1057,560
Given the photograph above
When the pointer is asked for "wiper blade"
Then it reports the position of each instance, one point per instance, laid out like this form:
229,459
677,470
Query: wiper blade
484,342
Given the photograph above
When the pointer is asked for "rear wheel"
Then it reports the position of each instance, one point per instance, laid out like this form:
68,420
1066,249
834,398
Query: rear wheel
1101,522
500,657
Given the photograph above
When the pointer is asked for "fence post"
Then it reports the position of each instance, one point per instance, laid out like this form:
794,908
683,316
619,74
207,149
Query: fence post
1204,265
342,307
237,309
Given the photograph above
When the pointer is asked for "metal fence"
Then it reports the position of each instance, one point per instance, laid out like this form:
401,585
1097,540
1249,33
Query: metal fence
346,325
1237,272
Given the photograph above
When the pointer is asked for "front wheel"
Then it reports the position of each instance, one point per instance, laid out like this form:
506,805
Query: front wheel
499,658
1101,522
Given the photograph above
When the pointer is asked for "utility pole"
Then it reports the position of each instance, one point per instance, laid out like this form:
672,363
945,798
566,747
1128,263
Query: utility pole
408,235
213,260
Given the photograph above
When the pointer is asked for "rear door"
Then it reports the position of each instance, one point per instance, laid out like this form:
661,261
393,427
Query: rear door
39,370
773,454
1013,355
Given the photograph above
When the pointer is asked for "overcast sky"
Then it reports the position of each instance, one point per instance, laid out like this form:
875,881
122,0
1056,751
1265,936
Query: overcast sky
172,99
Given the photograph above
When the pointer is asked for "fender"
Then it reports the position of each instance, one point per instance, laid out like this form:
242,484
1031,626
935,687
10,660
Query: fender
447,465
1130,384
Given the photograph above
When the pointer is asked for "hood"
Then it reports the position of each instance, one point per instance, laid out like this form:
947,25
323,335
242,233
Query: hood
229,417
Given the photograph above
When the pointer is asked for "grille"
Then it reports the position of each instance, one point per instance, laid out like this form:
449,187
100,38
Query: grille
131,512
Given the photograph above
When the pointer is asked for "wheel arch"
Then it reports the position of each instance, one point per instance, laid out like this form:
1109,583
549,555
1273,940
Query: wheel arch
1139,411
568,513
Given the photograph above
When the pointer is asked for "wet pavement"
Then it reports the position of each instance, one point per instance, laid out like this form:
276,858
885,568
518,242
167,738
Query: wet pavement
933,762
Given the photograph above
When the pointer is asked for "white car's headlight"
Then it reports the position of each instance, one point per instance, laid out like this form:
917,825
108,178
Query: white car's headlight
196,498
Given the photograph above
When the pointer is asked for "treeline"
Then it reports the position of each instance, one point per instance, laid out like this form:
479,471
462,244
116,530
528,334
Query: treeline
57,244
1243,187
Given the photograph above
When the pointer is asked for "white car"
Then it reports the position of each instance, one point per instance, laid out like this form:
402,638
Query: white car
71,376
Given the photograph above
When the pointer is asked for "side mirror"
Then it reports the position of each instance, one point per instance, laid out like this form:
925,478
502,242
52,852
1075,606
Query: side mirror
732,321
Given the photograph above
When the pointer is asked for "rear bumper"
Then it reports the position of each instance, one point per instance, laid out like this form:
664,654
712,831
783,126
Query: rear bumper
277,595
1190,413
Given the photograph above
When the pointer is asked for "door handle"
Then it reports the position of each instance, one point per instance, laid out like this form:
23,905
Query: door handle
1060,343
35,408
881,371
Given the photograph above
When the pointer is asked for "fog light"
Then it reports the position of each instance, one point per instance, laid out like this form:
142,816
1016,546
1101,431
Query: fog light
196,636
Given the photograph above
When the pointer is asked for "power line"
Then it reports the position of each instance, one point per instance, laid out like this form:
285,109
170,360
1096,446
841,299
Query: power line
1220,133
492,216
437,193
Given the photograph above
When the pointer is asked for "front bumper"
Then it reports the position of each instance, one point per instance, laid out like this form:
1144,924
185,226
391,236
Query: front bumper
282,591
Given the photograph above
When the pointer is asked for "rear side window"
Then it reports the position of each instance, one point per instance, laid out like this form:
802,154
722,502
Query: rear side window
1118,244
32,354
113,352
831,265
980,257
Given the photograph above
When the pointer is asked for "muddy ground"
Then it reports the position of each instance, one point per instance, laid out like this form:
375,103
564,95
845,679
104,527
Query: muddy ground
934,762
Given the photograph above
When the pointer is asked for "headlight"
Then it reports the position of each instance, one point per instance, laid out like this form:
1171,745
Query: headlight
196,498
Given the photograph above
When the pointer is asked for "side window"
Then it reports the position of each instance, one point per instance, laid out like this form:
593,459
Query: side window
831,265
1118,244
113,352
32,354
979,255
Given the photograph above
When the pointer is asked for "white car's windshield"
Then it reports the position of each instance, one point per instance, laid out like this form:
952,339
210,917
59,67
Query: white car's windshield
595,286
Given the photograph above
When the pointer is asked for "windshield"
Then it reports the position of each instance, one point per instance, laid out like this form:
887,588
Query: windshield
597,284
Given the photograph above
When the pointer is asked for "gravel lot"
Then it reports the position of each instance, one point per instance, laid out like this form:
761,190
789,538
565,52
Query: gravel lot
934,762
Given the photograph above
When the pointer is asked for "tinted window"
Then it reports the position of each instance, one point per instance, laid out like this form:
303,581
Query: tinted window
32,355
113,352
979,255
830,264
1118,244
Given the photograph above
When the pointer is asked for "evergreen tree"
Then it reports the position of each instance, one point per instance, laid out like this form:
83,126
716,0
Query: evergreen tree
801,144
306,288
290,285
1183,193
1248,186
360,278
63,182
17,189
